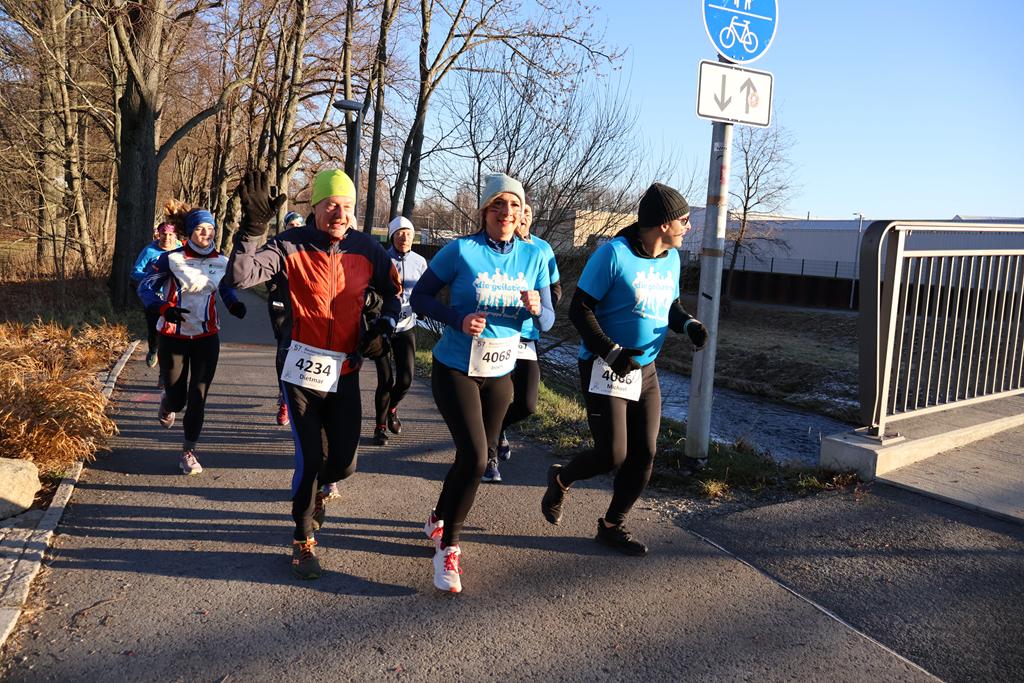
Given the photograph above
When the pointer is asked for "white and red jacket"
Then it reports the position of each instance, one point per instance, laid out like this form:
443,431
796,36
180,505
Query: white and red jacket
187,279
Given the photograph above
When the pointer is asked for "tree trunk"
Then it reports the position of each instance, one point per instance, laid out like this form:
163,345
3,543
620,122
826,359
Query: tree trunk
136,192
409,204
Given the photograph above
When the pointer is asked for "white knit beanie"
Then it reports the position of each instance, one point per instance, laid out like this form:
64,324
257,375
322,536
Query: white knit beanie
399,223
498,183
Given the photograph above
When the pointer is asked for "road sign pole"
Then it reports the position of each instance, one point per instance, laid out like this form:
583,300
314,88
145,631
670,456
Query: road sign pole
712,255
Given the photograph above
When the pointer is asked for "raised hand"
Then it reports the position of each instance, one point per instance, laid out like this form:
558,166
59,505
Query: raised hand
259,204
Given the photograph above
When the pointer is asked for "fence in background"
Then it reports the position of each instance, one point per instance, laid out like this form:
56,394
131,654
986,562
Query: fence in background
939,327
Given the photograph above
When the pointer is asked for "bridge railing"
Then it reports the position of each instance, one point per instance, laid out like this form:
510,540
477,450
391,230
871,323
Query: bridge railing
940,317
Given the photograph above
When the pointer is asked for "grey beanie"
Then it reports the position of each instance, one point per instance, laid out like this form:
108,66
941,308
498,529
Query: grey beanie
498,183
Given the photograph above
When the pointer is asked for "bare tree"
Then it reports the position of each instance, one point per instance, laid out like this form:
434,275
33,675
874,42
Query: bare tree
557,38
147,34
763,182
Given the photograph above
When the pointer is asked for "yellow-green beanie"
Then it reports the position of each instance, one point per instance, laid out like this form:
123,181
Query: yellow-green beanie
331,183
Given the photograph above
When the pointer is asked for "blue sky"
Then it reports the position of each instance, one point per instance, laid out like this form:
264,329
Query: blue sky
906,109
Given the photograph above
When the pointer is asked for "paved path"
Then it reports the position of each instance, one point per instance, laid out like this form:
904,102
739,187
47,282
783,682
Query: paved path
159,577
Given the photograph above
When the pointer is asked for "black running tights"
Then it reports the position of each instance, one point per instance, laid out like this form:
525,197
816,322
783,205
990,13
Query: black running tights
392,386
625,437
473,408
322,424
526,384
187,367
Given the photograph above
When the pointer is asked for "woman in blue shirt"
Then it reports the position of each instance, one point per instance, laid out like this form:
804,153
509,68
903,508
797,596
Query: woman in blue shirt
526,376
626,300
496,283
165,238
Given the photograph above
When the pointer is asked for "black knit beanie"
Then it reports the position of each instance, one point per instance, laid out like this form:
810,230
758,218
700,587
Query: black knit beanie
659,205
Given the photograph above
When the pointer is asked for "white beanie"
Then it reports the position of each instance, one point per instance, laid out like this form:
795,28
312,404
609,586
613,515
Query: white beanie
498,183
399,223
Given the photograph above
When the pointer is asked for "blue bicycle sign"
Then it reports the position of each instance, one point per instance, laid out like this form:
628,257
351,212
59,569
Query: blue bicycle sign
741,30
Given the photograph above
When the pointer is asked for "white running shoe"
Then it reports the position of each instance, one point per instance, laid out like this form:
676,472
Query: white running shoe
434,528
188,463
447,569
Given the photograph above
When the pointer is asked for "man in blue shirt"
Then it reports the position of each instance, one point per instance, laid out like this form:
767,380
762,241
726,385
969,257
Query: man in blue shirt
626,301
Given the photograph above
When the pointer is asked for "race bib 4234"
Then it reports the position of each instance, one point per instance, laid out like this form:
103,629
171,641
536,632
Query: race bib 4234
313,368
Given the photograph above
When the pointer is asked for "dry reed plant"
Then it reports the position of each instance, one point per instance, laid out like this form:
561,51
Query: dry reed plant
52,409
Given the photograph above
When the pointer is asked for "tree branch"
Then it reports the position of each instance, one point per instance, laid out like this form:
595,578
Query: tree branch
196,120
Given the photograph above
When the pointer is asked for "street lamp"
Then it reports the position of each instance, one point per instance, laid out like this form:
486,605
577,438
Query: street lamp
352,106
856,258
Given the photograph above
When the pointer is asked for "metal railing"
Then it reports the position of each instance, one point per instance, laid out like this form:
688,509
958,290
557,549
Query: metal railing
939,327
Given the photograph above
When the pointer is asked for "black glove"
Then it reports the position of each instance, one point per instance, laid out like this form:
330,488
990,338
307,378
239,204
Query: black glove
621,360
376,342
697,333
175,314
237,309
258,207
383,325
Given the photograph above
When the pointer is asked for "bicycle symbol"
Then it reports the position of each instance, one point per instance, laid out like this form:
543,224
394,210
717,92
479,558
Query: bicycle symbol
731,33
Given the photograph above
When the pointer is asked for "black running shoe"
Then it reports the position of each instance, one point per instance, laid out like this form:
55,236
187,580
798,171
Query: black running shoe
691,467
380,436
618,537
551,503
394,424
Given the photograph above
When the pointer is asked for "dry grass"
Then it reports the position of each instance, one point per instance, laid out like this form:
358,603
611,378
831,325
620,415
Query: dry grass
52,411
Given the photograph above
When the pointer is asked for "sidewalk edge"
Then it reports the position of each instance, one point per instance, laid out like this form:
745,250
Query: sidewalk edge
28,565
821,608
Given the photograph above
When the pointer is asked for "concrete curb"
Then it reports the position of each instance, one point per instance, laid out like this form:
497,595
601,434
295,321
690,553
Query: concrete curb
28,565
871,459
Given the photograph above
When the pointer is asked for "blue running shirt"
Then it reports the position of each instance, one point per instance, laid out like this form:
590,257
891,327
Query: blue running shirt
530,330
633,295
482,280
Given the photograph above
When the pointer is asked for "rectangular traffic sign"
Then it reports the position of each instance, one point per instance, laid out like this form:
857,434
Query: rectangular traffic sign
733,94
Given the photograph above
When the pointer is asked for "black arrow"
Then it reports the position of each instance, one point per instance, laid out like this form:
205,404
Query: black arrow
748,85
724,102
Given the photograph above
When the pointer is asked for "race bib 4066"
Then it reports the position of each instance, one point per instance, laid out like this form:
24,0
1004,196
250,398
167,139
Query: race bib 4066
603,380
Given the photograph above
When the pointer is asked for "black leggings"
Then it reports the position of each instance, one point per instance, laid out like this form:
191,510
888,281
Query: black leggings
473,408
321,422
187,367
152,316
526,384
393,386
625,436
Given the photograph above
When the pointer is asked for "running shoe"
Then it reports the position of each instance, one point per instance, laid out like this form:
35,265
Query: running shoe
305,565
619,538
188,463
330,491
434,528
151,359
491,474
551,503
504,448
380,436
319,510
394,424
691,467
282,415
447,570
166,417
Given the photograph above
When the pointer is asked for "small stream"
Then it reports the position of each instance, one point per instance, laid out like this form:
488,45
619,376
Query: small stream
787,433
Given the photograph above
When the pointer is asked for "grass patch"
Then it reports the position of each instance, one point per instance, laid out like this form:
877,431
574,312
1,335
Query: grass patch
55,337
53,410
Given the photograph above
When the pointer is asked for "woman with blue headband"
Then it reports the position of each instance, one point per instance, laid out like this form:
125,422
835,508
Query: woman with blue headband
182,291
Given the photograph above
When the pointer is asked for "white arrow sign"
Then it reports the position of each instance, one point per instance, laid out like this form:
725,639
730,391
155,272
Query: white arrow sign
733,94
